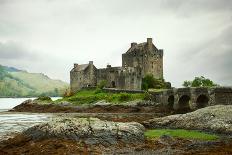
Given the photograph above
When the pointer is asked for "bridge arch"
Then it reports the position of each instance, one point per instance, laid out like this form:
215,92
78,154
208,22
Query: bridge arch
202,101
171,100
184,104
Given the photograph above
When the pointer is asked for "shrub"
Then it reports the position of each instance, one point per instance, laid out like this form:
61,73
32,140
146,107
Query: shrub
150,82
44,98
68,93
97,91
102,84
147,96
124,97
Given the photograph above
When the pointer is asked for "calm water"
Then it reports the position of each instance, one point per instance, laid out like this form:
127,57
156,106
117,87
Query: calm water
9,103
14,122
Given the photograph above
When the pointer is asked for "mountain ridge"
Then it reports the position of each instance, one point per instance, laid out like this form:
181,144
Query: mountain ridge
20,83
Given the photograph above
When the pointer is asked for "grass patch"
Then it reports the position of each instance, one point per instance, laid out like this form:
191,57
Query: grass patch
92,96
156,90
180,133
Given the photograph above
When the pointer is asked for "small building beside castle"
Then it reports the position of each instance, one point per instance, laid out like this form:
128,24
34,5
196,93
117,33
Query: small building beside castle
139,60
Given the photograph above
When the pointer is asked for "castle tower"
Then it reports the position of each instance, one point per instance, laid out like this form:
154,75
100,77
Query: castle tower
146,57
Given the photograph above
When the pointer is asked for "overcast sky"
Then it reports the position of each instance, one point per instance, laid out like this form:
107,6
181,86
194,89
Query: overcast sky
48,36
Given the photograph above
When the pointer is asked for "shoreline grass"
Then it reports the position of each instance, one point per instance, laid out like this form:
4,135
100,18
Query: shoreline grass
180,133
92,96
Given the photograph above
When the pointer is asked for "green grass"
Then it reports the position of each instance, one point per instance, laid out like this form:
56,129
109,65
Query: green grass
156,90
180,133
92,96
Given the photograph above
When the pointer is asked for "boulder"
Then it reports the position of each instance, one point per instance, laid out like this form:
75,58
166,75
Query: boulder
213,118
88,130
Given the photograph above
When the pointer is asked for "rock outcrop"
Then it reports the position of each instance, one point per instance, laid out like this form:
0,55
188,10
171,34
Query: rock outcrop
213,118
88,130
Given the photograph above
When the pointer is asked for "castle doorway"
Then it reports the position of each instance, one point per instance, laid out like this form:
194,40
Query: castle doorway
113,85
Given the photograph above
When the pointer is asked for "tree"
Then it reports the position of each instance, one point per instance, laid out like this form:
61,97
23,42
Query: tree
150,82
200,82
187,83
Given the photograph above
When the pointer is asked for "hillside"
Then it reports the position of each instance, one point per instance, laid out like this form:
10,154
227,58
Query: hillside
18,83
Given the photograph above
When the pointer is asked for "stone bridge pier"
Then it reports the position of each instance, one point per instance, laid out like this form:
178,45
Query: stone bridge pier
189,99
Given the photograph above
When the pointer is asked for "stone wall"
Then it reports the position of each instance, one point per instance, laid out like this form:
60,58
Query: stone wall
110,74
223,95
188,99
113,90
120,78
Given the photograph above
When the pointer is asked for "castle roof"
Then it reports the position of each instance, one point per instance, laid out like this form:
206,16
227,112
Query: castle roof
139,47
81,67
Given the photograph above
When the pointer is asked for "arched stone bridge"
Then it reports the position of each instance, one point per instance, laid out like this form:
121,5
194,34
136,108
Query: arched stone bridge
188,99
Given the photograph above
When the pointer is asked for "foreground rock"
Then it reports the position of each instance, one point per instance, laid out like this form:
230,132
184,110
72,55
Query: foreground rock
214,118
21,145
88,130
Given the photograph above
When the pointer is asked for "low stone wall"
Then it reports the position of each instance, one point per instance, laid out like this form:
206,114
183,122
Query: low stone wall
223,95
113,90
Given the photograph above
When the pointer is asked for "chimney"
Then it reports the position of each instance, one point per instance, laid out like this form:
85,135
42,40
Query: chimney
149,43
108,66
149,40
133,44
91,62
75,65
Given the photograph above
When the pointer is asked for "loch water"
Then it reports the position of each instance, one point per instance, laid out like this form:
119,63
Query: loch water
12,123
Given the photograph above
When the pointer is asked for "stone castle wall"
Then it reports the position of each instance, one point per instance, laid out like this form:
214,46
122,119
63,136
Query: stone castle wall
140,60
118,77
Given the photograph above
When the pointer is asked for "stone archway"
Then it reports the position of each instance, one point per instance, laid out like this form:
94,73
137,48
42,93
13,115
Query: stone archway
171,101
202,101
183,104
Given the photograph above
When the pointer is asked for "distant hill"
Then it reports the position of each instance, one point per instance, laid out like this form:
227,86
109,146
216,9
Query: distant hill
18,83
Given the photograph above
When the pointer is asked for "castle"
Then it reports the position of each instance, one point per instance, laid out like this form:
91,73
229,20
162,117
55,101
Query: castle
140,60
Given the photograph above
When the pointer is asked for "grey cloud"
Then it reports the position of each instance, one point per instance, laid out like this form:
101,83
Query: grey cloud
212,58
194,7
183,8
66,29
12,50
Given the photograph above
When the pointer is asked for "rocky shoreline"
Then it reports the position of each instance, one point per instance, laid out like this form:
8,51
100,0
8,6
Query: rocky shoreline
99,107
119,129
